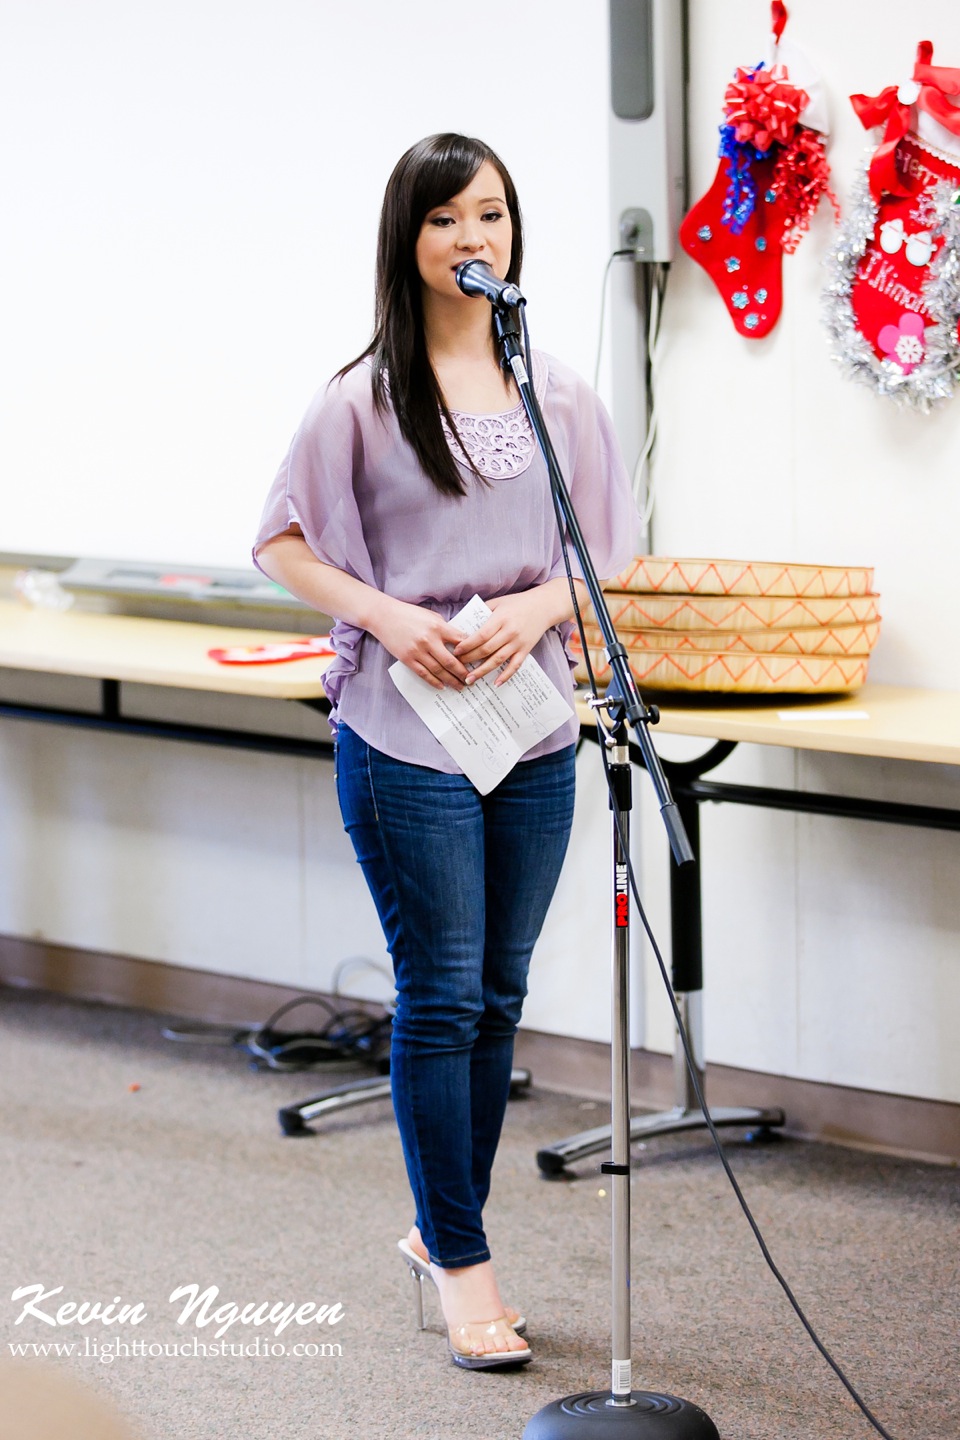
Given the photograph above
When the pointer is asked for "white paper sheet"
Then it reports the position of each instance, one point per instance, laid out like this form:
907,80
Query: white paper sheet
486,728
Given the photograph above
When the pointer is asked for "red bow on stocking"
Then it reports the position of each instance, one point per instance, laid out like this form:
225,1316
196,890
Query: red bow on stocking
763,107
892,107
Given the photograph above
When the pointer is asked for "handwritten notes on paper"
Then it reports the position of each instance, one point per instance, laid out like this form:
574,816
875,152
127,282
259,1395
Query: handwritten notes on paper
486,728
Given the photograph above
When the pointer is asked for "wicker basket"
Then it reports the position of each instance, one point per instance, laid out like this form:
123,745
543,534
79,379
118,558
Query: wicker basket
664,575
814,640
736,612
737,672
740,626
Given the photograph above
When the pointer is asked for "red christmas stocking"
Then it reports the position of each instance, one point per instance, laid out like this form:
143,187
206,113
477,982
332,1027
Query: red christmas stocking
745,267
895,298
887,294
773,172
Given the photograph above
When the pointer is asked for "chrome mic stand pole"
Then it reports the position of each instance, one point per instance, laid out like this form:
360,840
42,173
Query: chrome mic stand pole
620,1413
618,1166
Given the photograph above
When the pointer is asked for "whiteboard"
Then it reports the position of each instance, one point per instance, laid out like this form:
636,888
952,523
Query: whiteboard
191,192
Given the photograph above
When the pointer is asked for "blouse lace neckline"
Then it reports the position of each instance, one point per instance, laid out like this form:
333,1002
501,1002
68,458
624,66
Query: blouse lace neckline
500,446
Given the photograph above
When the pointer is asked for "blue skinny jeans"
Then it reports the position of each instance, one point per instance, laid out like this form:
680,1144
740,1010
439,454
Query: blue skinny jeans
461,882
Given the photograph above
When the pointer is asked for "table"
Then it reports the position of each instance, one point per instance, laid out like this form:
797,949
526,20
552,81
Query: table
900,723
884,721
880,720
114,649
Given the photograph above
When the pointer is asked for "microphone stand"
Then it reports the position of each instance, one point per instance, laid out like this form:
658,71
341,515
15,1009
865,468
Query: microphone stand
620,1413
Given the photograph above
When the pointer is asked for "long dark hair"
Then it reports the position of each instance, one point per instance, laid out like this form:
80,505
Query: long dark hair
431,173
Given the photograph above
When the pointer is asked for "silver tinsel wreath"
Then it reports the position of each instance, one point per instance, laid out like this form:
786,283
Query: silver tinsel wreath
934,378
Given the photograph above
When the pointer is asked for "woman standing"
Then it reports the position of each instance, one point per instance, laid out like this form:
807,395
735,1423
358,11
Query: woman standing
413,483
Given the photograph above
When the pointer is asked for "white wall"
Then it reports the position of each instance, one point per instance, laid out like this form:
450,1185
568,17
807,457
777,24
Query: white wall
236,863
194,196
191,193
832,948
787,459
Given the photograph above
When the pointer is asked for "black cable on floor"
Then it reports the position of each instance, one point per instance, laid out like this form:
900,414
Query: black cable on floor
348,1034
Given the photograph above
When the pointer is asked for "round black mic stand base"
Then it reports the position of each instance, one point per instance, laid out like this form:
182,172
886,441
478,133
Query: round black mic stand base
647,1415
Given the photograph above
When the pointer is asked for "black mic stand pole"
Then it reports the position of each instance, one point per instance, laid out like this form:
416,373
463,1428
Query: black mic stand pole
620,1413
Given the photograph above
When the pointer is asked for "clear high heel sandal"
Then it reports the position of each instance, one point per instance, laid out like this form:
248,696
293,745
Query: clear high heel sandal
460,1340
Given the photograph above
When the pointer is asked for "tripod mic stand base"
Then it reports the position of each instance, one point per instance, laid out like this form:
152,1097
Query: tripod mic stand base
594,1416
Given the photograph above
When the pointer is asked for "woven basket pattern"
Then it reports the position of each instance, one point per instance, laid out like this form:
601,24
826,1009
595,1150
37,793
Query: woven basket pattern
731,626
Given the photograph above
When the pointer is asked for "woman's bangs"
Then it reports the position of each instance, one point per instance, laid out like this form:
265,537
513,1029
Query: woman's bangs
443,175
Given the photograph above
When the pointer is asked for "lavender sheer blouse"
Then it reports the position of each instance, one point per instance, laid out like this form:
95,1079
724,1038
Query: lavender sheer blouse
356,490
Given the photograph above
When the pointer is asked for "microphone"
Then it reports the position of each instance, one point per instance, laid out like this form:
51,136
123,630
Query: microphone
476,278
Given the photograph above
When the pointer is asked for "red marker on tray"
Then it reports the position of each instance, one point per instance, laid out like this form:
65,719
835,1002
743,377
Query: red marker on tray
310,646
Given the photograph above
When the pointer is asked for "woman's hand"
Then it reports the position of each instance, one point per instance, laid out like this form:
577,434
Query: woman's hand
410,633
421,640
517,623
433,648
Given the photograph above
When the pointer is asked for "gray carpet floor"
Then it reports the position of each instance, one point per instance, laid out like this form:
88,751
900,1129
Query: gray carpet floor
112,1191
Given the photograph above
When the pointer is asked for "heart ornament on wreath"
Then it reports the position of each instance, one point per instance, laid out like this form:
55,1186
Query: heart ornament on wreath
892,304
